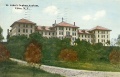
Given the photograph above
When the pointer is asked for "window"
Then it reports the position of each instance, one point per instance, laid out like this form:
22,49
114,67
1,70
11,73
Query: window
26,26
49,33
31,26
45,33
75,29
52,33
72,38
82,35
73,34
19,25
98,35
67,33
62,37
88,36
26,31
18,30
60,33
23,25
60,28
31,31
23,30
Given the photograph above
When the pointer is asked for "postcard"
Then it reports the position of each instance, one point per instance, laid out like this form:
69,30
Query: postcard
59,38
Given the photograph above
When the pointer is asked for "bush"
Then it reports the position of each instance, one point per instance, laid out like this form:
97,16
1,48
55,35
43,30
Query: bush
114,57
68,55
4,53
33,52
16,46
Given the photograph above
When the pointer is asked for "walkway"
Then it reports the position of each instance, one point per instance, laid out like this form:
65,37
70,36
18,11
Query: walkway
71,72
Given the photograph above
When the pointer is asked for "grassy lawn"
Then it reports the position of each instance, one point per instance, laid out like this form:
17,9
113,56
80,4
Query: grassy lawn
12,69
94,66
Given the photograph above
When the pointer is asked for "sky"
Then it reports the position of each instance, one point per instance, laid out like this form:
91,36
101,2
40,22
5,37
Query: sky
85,13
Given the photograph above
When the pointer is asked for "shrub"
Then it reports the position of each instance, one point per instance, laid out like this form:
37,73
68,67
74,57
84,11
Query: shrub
16,46
33,52
4,53
114,56
68,55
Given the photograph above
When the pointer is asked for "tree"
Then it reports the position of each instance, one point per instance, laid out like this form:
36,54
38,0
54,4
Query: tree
33,54
115,56
98,46
118,40
108,42
4,56
4,53
17,38
1,36
37,37
51,49
16,45
65,43
68,55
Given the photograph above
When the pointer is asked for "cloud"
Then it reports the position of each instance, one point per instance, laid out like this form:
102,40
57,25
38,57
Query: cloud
53,10
96,16
16,10
99,14
87,17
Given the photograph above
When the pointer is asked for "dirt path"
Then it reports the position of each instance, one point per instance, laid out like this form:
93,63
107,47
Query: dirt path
71,72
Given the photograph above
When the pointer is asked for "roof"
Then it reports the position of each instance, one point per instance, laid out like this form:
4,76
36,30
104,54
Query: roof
44,28
100,28
65,24
83,31
25,21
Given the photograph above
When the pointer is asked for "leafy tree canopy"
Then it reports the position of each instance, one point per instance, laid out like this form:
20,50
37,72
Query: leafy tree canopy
17,38
118,40
65,43
37,37
33,52
1,36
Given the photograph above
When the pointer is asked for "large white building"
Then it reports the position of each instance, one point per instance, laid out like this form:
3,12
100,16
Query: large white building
62,30
22,27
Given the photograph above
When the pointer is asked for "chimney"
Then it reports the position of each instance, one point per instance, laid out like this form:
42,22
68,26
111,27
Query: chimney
74,23
8,31
55,21
62,19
